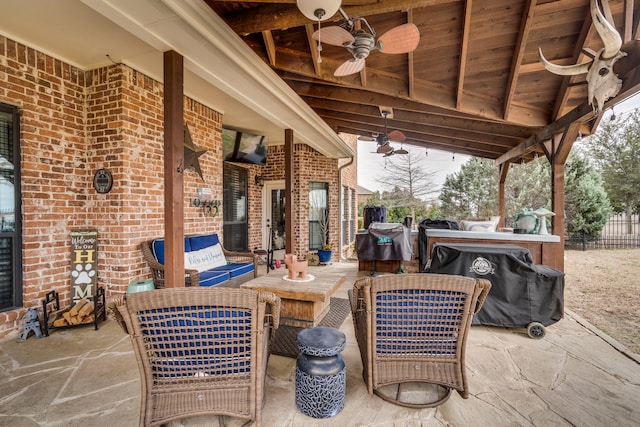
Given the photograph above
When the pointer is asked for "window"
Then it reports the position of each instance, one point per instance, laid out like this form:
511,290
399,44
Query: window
345,215
318,215
353,217
234,211
10,224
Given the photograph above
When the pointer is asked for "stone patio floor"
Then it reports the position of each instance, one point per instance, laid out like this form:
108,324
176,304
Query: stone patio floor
574,376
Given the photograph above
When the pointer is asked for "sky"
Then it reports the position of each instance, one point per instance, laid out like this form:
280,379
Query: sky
371,164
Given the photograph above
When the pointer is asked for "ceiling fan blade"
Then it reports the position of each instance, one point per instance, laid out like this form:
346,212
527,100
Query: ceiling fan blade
401,151
336,36
384,148
401,39
396,136
351,66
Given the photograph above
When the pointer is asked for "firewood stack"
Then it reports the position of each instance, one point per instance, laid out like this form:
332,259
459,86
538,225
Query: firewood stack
81,312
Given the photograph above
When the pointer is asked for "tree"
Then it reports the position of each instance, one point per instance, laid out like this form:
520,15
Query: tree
615,148
528,186
411,184
587,206
471,192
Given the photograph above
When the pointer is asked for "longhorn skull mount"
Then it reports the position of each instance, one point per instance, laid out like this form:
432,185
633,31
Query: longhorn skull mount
603,82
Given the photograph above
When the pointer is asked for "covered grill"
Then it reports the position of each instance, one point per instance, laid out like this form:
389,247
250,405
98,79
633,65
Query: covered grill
523,294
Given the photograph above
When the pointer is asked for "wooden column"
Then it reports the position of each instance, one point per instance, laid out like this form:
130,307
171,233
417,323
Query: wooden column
173,170
288,190
502,179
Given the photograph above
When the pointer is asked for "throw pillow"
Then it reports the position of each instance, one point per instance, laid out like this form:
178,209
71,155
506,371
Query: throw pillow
205,259
484,226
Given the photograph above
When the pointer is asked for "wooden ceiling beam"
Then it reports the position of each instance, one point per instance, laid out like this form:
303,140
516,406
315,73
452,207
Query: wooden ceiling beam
436,95
488,129
412,127
313,48
425,141
280,16
270,46
411,69
523,36
464,47
582,113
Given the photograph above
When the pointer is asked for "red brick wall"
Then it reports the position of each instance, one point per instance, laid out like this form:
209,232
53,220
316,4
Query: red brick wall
72,124
50,96
76,122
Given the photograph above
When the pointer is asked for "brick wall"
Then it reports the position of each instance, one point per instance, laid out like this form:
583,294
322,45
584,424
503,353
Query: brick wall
75,122
72,124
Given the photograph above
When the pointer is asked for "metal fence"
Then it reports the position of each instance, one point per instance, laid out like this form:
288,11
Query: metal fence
620,232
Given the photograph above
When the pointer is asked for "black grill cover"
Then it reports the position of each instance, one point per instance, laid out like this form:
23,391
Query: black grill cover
384,242
521,291
442,224
374,214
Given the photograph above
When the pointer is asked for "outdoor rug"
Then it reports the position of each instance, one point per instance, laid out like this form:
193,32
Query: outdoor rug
284,340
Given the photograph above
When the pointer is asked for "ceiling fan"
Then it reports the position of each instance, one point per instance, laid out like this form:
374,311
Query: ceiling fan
359,42
384,140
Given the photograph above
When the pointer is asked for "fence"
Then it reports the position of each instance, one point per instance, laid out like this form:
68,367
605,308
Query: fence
620,232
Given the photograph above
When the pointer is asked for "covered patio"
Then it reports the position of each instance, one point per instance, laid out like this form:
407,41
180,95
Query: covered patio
573,377
475,86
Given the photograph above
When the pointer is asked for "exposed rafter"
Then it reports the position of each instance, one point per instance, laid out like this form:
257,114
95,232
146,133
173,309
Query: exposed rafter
474,85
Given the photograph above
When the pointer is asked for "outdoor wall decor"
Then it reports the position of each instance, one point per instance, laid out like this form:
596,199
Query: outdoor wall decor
192,153
84,263
103,181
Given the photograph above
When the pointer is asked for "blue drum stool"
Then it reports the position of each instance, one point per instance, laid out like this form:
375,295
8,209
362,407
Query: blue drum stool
321,374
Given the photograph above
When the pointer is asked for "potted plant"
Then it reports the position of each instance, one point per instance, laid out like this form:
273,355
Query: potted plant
320,213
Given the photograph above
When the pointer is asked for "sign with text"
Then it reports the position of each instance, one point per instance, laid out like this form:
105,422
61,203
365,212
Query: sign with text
84,263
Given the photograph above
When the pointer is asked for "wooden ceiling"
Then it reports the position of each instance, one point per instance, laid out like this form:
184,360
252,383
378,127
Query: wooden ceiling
474,85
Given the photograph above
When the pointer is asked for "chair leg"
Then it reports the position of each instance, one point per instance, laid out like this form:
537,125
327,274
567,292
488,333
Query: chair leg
397,400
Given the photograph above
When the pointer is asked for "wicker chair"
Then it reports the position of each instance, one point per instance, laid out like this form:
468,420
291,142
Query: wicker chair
192,277
200,351
411,330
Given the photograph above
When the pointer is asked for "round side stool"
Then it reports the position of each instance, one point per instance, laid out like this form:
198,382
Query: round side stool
321,373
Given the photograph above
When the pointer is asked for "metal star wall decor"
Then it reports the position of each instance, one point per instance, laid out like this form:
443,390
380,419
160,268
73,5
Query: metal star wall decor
192,153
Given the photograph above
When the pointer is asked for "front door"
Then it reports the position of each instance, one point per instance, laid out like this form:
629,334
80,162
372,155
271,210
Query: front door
273,226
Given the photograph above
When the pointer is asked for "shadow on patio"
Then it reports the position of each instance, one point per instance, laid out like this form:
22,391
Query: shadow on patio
79,377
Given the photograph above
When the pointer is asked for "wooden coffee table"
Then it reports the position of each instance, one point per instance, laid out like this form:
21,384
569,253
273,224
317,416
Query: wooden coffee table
302,304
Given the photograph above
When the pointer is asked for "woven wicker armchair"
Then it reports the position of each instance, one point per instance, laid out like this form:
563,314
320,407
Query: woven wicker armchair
411,330
200,351
192,277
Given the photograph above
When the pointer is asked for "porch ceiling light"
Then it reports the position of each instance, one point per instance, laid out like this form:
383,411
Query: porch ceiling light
318,10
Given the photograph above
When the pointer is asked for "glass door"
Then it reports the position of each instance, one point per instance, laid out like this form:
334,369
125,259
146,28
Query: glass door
274,226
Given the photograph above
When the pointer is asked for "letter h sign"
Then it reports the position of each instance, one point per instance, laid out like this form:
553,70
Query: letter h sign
84,263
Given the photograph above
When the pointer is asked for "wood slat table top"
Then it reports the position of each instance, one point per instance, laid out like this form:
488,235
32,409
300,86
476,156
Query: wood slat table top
323,285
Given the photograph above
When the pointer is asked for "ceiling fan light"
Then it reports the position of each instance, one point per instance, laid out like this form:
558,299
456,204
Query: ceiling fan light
317,10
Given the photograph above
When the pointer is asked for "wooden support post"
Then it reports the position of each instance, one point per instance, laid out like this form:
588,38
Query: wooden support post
288,191
502,173
173,169
559,158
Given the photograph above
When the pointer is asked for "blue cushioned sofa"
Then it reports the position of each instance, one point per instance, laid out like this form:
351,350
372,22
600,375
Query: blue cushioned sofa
207,263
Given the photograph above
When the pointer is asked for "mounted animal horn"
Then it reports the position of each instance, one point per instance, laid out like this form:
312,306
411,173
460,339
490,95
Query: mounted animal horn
603,83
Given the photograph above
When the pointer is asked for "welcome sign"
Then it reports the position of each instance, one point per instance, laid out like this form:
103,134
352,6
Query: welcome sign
84,263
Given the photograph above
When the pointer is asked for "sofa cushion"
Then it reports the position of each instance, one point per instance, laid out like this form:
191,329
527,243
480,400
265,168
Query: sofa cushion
200,242
236,269
157,247
205,259
213,278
